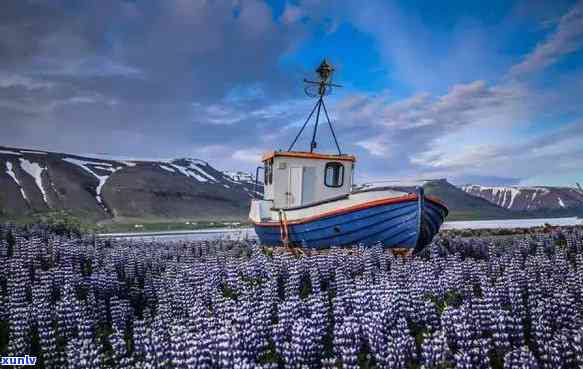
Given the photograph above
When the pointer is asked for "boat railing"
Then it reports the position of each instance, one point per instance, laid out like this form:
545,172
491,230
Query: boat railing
256,184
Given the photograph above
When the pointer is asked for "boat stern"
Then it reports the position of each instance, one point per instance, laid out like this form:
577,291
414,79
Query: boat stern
432,215
260,210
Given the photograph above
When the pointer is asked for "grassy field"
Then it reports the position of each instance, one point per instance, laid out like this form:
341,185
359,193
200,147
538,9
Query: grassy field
65,220
166,226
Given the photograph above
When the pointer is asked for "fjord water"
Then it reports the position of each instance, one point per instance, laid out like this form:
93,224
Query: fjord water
511,223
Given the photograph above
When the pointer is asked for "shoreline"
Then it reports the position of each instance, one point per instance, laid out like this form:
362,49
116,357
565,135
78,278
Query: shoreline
456,224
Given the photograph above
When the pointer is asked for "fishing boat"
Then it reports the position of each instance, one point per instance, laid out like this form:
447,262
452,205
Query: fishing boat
310,201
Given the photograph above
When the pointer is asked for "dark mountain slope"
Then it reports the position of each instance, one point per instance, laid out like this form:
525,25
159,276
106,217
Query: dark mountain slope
463,205
99,189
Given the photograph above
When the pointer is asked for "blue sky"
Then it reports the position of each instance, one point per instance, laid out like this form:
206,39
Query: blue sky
478,92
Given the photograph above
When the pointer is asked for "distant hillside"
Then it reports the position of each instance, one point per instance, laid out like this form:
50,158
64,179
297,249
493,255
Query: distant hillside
463,205
543,199
106,189
100,189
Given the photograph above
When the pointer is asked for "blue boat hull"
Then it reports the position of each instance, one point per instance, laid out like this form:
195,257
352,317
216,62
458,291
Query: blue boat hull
411,223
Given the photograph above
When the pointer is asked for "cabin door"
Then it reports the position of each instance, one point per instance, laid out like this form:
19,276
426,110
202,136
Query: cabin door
294,192
308,185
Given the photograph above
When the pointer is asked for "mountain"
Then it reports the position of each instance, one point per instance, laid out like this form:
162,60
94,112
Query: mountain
99,189
537,199
126,190
463,205
468,202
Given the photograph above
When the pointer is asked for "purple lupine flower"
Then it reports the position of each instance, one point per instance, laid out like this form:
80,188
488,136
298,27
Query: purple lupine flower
463,360
430,318
542,335
44,319
435,352
302,346
501,335
83,354
68,312
119,349
520,358
18,309
329,363
347,342
504,289
577,348
561,353
140,340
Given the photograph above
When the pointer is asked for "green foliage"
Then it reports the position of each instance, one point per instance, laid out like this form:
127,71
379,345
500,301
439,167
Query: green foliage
63,223
2,211
152,226
270,356
11,242
229,293
305,287
3,337
365,360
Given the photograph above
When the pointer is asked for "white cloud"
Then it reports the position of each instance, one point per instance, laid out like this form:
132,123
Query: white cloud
291,14
463,105
15,80
91,67
567,38
550,155
463,157
376,146
252,155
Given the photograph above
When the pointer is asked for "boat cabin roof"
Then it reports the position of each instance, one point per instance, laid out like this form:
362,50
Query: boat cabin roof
306,155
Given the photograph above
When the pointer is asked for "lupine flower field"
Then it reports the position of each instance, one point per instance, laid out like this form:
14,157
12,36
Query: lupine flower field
501,302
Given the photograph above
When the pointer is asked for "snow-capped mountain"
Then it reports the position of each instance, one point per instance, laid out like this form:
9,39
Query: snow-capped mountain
529,198
100,188
104,187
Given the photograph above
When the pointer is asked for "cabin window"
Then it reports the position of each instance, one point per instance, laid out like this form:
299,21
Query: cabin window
334,175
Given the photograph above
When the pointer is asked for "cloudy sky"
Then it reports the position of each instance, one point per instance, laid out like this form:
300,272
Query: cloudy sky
478,92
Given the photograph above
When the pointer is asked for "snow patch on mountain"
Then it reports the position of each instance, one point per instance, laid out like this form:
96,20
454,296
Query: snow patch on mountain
191,161
102,179
208,176
138,189
189,173
34,152
193,168
528,197
167,168
35,171
10,172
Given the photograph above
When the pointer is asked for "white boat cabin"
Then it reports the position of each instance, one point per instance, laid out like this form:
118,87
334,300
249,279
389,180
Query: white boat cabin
294,179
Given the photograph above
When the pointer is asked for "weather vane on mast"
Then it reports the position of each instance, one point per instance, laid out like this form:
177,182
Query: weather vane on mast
324,86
